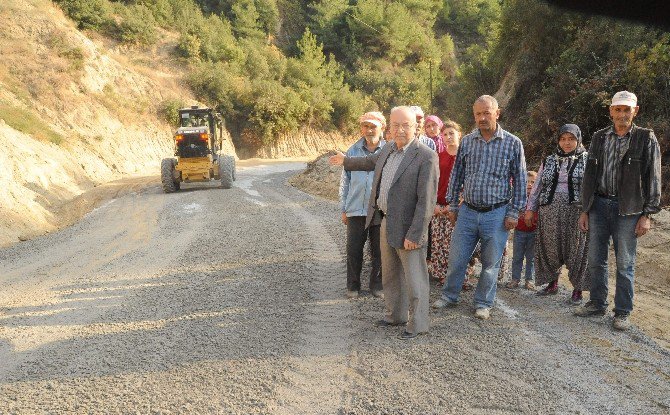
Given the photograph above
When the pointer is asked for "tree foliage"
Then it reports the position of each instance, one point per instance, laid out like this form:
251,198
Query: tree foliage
274,66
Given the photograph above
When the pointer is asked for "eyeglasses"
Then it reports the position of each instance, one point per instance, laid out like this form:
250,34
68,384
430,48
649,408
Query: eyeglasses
405,126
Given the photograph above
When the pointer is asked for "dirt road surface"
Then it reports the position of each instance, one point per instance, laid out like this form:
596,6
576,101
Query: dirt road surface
232,301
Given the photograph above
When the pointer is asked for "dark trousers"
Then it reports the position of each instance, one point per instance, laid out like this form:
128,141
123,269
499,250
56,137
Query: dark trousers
356,237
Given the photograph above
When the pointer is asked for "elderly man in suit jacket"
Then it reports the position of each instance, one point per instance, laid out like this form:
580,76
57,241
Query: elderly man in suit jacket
404,192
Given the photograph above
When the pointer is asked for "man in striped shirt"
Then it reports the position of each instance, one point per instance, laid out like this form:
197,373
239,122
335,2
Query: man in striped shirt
490,176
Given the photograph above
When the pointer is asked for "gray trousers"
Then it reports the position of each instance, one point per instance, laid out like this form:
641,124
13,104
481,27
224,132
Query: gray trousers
406,286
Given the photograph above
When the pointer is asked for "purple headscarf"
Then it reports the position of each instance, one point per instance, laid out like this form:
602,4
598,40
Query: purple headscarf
439,142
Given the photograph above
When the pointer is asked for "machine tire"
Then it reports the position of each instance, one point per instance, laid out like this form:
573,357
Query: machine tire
167,175
226,171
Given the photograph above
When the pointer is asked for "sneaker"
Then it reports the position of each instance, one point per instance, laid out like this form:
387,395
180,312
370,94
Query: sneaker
529,285
377,293
512,284
483,313
442,303
352,294
621,322
590,309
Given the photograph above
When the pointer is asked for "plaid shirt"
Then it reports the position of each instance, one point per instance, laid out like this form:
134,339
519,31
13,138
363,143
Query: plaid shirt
489,172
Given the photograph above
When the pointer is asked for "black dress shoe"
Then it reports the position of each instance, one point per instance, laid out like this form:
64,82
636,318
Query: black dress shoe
405,335
384,323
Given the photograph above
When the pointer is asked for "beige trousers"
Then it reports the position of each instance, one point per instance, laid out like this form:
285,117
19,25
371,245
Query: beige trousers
406,286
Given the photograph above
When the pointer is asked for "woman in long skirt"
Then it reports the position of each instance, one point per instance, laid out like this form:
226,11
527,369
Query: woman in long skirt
447,137
556,194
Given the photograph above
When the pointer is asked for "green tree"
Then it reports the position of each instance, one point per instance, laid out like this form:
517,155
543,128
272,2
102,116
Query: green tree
246,19
89,14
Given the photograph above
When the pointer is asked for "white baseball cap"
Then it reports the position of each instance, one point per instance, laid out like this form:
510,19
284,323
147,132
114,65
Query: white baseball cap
624,98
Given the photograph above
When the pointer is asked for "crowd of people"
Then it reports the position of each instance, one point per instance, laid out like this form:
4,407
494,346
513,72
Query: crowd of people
431,201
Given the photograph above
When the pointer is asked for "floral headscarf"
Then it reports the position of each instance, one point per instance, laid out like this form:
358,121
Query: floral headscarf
439,141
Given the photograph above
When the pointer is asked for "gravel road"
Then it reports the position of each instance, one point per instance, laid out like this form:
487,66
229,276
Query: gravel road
232,301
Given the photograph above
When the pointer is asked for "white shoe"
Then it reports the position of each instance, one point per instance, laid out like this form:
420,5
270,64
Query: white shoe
483,313
621,323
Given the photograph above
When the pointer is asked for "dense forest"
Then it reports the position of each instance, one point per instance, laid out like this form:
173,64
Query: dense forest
274,66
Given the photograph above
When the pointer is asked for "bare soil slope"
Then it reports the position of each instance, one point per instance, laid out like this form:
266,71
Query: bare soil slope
75,111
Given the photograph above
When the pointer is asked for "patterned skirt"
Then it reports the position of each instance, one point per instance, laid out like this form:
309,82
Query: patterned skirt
441,230
560,242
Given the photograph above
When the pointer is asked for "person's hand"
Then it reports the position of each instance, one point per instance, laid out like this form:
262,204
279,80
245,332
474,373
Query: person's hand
452,215
437,210
583,222
337,159
529,218
643,226
409,245
345,220
510,223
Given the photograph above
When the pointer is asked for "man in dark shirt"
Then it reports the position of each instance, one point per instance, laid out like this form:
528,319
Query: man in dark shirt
621,188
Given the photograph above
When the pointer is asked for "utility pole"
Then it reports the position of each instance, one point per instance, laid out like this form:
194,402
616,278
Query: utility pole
430,70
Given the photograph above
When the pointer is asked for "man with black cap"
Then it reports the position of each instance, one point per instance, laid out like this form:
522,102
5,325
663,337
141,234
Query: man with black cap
620,189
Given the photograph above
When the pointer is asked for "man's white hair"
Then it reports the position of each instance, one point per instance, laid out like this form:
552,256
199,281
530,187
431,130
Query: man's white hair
401,108
488,99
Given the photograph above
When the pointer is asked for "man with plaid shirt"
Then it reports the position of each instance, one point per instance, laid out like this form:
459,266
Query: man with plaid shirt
490,176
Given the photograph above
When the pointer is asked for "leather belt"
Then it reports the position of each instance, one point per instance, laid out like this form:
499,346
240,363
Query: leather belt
483,209
608,197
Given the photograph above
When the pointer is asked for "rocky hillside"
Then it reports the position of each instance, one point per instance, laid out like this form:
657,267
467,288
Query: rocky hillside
76,111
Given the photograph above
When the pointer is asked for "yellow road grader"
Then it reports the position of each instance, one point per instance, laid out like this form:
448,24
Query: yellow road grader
198,150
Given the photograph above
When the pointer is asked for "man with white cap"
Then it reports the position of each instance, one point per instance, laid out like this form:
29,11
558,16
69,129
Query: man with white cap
355,190
620,189
421,137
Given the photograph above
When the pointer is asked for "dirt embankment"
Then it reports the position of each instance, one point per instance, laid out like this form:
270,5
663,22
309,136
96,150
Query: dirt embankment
307,142
319,178
652,279
76,111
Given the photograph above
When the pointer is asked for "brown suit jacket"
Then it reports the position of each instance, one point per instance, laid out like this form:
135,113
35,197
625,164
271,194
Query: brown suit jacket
413,193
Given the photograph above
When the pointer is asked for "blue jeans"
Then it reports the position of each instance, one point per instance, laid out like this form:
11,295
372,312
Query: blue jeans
605,222
471,227
524,247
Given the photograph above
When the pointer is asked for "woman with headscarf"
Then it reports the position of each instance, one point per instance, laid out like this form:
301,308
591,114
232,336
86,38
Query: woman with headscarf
446,137
557,195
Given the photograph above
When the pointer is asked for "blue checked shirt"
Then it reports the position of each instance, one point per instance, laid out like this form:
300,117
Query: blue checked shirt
489,173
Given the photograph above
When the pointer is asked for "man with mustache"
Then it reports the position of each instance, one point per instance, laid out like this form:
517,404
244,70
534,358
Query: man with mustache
620,189
490,174
404,193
